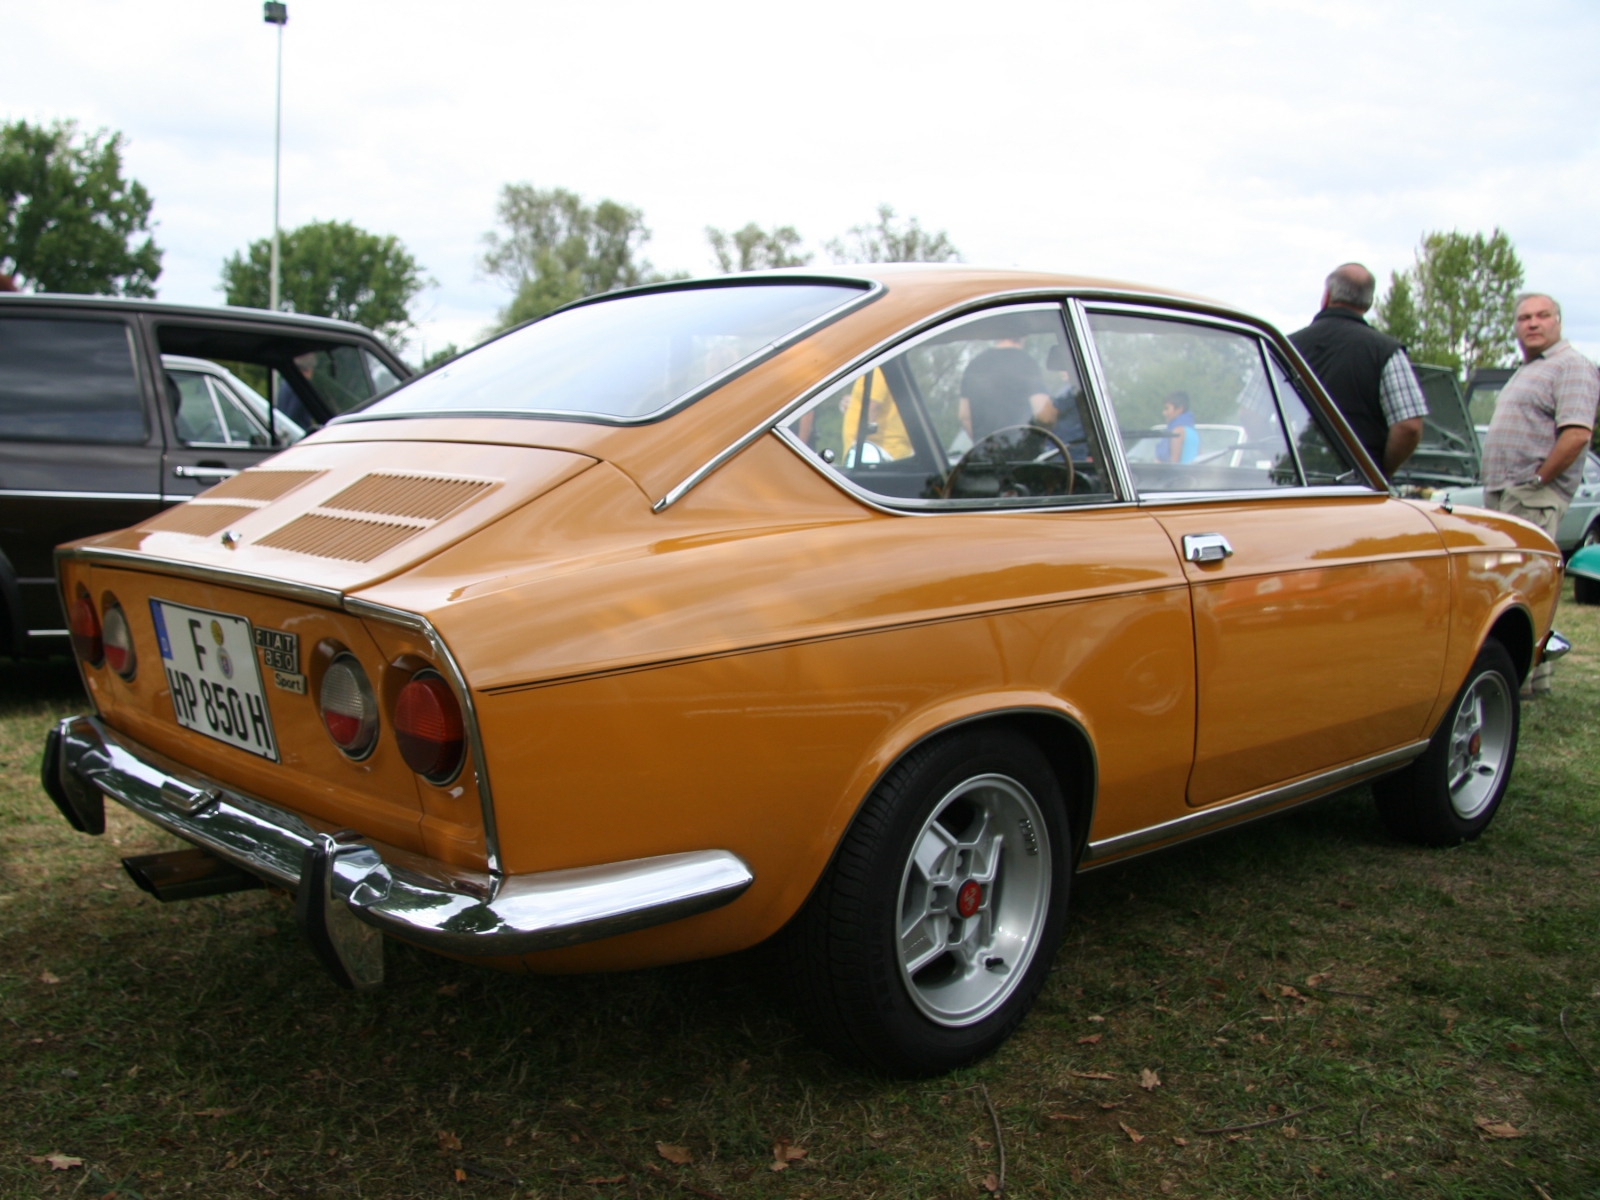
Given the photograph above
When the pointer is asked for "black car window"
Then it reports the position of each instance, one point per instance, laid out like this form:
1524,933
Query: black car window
1193,406
69,381
988,411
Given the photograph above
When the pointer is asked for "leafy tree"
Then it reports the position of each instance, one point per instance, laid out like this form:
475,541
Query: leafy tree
755,249
885,242
442,355
557,249
332,269
68,219
1455,305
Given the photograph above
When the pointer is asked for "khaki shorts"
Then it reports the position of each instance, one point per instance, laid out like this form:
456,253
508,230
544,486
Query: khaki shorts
1541,506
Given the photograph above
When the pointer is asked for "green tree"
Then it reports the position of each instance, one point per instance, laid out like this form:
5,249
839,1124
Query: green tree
556,249
442,355
887,242
69,221
755,249
332,269
1454,306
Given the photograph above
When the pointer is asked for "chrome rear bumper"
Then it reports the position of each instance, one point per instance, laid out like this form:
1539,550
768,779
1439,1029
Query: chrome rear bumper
418,899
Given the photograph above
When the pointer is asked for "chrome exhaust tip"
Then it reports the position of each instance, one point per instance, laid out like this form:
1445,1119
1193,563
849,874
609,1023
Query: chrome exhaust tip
186,875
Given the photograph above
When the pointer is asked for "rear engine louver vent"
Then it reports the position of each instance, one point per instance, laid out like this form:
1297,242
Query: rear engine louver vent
198,520
339,537
343,526
260,485
425,497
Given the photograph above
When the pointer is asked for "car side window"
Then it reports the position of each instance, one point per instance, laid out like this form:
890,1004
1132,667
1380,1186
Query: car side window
1323,458
340,377
194,414
69,381
383,379
242,430
988,411
1193,406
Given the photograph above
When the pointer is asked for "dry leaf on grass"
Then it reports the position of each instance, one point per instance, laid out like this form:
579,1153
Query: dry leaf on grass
675,1154
447,1141
1090,1075
1149,1080
1133,1134
214,1112
49,977
1289,993
595,1180
56,1161
448,989
1062,1117
1497,1129
1180,1141
1168,1186
1092,1040
990,1183
461,1176
1317,980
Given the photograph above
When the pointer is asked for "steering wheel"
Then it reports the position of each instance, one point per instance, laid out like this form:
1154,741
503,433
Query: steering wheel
961,463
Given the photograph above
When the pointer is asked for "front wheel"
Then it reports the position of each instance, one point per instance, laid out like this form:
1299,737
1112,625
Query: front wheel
1451,793
932,931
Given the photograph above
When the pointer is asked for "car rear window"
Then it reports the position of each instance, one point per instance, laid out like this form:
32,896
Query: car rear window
69,381
631,358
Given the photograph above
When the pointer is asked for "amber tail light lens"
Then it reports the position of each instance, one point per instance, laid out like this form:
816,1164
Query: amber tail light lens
428,727
85,625
117,640
349,709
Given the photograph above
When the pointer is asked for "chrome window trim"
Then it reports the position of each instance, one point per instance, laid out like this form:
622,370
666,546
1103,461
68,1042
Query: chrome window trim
1026,299
42,494
872,290
451,669
1320,491
1095,380
1262,803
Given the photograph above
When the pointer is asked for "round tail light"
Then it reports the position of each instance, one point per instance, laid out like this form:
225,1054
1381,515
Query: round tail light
85,625
428,727
118,640
349,709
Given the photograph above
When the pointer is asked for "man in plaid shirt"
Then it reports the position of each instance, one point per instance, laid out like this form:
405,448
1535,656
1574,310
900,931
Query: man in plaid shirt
1543,421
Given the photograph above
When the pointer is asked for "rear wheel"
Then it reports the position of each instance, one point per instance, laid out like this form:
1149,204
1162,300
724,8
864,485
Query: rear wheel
932,931
1452,792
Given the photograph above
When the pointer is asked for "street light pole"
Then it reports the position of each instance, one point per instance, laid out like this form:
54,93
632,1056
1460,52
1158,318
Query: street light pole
274,13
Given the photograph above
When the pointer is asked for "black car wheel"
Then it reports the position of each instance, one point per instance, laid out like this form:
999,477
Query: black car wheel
934,927
1451,793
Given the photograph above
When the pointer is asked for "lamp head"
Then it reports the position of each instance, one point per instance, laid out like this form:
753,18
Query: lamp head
275,13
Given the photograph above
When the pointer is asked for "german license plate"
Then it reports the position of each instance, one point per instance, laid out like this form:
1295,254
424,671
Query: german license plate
210,659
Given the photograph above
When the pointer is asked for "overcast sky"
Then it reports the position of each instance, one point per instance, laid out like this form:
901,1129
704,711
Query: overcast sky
1237,150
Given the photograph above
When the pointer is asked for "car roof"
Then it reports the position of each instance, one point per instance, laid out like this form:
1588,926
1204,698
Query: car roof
125,304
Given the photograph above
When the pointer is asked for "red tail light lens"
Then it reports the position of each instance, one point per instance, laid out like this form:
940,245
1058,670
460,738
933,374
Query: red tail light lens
118,640
428,727
86,640
349,709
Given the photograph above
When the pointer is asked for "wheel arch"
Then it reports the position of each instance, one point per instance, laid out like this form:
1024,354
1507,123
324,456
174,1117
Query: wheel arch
1513,629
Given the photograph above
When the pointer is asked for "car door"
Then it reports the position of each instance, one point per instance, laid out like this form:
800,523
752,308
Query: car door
1579,524
1320,605
80,445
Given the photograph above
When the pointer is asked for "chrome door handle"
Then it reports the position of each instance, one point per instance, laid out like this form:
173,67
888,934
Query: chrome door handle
1206,547
211,473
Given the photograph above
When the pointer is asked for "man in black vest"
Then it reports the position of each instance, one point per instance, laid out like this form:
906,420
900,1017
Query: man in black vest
1366,372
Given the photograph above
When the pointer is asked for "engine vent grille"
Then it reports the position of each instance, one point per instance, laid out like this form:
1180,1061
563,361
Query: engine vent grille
348,538
198,520
260,484
424,497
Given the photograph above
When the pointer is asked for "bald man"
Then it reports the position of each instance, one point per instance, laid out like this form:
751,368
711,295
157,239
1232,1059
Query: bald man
1366,372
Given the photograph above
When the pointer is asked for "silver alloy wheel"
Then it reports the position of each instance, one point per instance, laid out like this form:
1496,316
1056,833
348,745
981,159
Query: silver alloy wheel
974,897
1480,742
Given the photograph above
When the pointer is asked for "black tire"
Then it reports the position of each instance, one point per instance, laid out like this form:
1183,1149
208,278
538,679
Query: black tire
1451,793
846,958
1585,591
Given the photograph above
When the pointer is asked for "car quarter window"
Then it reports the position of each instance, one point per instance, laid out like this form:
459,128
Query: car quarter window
69,381
1193,405
1323,457
988,411
194,413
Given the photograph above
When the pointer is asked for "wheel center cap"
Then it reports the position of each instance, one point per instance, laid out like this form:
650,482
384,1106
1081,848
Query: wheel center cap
1475,744
970,898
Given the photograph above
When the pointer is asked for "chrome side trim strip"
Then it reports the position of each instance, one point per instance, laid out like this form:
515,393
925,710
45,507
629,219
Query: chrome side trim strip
29,494
366,609
1247,806
421,900
135,560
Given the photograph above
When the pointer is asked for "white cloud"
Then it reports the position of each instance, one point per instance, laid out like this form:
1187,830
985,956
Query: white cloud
1238,151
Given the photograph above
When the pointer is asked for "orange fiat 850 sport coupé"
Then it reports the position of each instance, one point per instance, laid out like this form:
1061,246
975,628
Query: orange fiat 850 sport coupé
866,607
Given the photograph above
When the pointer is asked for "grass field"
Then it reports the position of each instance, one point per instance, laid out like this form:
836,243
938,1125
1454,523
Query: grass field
1391,1022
